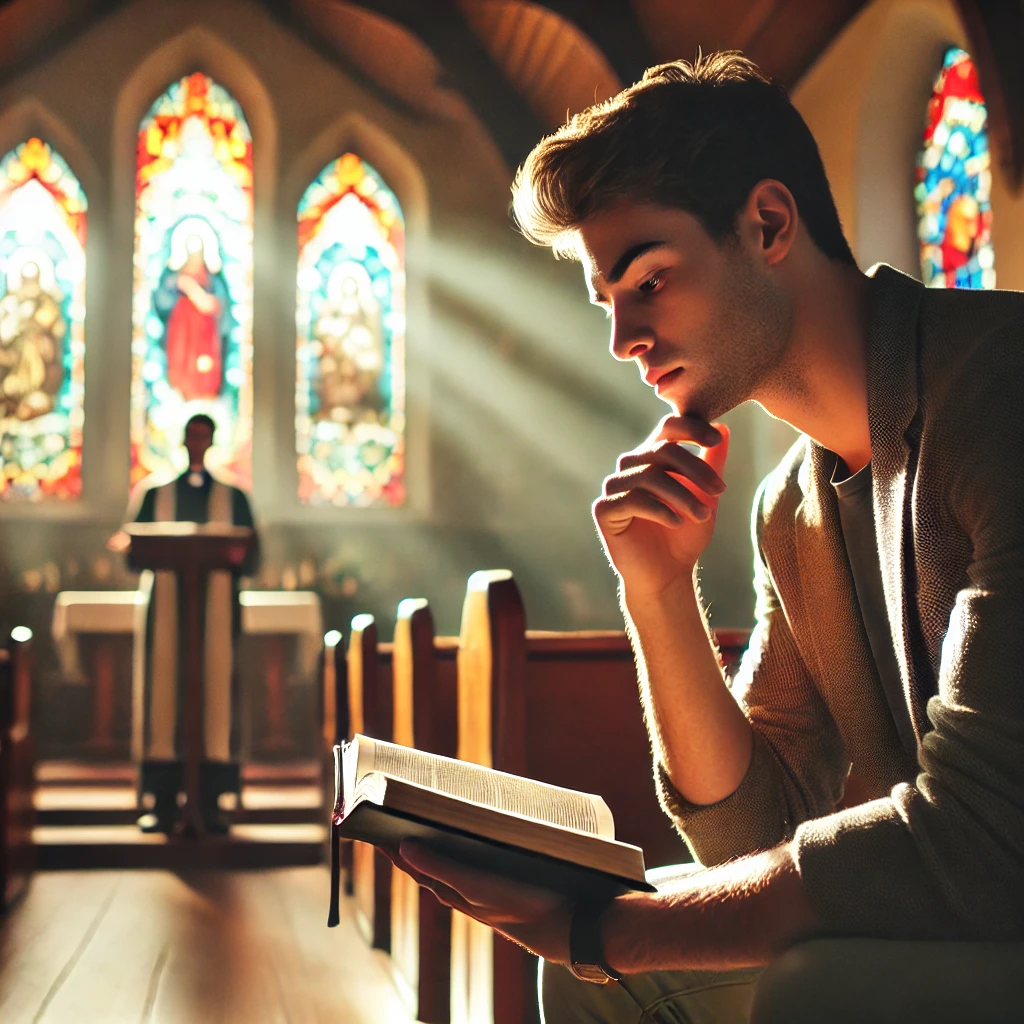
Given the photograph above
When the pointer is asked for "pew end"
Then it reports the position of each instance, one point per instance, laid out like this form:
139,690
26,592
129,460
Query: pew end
563,708
17,766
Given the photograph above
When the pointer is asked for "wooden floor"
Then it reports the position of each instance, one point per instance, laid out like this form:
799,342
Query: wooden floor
204,947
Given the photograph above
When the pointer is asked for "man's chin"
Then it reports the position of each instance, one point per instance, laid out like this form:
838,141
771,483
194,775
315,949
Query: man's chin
709,408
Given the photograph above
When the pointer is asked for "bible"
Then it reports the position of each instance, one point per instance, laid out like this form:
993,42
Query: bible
526,830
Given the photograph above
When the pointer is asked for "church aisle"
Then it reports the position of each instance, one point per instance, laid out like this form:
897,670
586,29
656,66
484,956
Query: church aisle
153,947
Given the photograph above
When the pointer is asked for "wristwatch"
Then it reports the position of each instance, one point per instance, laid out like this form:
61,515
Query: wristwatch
586,959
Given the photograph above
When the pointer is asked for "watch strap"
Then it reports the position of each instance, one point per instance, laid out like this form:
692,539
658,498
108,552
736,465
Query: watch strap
586,958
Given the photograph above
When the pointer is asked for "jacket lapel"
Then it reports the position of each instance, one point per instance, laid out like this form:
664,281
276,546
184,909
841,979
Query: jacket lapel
843,662
892,407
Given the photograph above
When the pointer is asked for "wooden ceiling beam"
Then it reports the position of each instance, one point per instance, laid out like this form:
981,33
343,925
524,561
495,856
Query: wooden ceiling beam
469,69
795,34
613,27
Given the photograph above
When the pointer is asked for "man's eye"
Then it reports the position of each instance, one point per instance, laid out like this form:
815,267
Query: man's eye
650,284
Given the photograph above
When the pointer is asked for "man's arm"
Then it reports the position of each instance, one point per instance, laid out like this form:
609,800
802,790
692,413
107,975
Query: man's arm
655,517
741,914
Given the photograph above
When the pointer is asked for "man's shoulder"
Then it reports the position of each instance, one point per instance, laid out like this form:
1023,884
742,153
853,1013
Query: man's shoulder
959,326
971,353
230,481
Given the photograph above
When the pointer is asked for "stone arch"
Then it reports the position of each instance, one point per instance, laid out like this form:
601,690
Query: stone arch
352,132
30,117
196,49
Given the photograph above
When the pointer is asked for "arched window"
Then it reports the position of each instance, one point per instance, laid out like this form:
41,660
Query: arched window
350,392
954,182
192,308
42,317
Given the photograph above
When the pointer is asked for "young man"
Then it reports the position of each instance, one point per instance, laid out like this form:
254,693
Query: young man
195,496
889,572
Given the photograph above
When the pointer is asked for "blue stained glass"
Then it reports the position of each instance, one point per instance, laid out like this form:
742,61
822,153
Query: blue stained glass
954,182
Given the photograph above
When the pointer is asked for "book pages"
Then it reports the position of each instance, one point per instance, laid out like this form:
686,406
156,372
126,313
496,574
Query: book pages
582,812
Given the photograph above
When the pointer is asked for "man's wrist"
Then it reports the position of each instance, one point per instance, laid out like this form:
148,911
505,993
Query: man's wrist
639,601
586,949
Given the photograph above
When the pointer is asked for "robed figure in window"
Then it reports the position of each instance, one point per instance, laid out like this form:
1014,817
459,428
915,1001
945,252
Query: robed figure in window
194,303
195,496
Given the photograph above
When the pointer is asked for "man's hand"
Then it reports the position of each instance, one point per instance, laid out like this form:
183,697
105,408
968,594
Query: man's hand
740,914
657,513
534,917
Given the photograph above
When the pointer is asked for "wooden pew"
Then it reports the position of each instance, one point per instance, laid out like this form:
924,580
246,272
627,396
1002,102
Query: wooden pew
563,708
425,716
17,766
370,713
334,729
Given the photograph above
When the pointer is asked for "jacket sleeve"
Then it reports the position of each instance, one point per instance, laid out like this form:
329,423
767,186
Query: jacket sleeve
799,763
944,857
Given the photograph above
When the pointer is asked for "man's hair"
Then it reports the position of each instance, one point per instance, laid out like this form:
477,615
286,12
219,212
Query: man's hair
202,419
697,137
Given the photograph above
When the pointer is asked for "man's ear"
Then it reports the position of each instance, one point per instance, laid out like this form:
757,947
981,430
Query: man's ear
769,221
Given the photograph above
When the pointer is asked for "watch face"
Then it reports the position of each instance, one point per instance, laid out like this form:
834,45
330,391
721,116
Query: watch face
589,972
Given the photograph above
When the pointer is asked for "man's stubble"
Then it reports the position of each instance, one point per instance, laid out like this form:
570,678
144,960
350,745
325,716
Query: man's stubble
747,342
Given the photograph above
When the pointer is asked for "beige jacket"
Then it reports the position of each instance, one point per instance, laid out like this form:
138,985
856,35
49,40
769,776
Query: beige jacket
938,852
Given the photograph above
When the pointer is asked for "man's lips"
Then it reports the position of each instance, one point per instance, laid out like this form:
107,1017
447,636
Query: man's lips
658,379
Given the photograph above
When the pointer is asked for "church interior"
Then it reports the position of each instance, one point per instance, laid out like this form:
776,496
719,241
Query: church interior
289,220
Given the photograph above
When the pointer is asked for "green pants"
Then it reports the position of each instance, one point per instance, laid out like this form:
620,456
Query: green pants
829,981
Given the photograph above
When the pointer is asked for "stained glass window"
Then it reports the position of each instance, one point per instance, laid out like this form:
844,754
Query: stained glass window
192,309
954,181
350,393
42,318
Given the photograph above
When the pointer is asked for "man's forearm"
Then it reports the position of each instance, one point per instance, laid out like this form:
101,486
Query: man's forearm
740,914
698,731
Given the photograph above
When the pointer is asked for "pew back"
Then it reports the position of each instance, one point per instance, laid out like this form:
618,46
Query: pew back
563,708
425,712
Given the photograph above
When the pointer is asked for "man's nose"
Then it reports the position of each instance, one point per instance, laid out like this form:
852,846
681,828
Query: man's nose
629,339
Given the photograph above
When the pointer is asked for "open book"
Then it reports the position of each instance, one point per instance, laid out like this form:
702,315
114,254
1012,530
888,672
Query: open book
558,838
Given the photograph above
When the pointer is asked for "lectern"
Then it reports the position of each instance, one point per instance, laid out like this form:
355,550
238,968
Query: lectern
192,551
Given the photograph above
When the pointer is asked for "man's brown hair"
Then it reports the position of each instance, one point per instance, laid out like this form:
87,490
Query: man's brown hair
697,137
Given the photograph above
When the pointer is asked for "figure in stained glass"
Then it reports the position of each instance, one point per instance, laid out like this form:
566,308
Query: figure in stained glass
192,337
42,313
351,355
193,301
350,390
954,181
32,331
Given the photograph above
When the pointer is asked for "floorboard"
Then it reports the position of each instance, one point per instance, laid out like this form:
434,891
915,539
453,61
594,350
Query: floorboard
199,947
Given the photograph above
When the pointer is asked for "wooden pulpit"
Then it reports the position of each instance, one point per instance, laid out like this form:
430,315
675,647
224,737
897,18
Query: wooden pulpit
191,551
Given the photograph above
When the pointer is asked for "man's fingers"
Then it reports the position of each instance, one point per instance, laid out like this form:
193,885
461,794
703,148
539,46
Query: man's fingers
615,513
675,458
671,492
715,455
444,893
690,429
481,893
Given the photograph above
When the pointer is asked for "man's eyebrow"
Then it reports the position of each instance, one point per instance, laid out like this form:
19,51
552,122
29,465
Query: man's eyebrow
622,264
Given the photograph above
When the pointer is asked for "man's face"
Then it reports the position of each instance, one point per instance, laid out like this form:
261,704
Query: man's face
198,439
704,320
